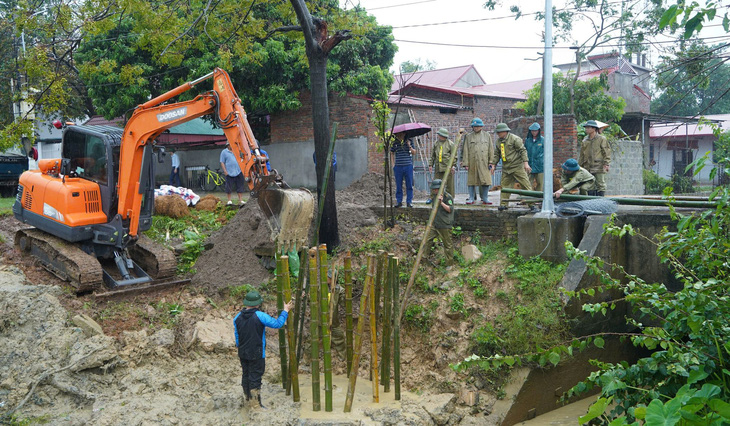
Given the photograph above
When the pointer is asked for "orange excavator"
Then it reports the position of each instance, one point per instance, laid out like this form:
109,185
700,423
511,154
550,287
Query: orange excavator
90,207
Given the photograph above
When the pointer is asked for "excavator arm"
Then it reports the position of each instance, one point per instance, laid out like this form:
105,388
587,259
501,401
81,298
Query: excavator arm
286,209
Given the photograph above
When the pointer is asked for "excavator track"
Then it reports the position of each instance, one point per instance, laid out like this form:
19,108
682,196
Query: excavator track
84,271
157,260
65,260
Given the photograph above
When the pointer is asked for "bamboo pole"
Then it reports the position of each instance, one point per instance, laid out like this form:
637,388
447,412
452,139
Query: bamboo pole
303,262
314,326
298,318
358,334
325,324
293,365
396,330
282,336
377,284
387,320
424,240
374,343
348,311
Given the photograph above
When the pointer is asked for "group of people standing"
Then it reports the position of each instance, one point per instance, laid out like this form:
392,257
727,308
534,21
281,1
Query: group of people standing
522,163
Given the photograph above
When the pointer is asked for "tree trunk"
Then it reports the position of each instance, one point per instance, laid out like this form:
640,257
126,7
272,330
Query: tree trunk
318,45
328,232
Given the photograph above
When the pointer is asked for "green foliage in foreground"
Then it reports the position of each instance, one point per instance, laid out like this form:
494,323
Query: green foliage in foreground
686,379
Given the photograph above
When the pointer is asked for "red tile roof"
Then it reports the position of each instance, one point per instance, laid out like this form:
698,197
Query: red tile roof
443,77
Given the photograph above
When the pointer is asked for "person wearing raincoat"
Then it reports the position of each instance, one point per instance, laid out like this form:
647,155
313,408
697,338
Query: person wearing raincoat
478,158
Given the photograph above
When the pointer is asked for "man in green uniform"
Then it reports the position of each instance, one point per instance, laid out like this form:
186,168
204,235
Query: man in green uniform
478,158
575,176
515,166
440,156
595,156
442,223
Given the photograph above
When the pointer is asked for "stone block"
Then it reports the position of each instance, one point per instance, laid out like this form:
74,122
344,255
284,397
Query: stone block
471,253
87,325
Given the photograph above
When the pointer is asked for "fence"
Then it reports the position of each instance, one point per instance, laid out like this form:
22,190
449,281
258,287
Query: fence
422,178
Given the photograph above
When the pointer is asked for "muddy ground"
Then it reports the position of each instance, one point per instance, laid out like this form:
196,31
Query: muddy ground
169,357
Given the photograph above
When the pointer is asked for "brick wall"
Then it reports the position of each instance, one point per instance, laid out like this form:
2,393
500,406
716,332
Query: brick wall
491,110
434,95
625,175
565,133
351,112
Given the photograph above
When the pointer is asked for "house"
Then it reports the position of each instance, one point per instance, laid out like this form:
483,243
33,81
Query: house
672,146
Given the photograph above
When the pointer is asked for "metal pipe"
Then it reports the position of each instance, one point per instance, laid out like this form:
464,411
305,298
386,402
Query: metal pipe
621,200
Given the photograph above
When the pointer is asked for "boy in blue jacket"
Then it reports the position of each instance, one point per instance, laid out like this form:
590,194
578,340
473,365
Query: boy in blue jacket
249,327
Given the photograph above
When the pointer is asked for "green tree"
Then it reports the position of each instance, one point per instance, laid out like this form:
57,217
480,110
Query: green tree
694,82
416,65
591,100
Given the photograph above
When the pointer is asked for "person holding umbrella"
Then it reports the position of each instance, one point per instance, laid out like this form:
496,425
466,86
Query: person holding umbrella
402,150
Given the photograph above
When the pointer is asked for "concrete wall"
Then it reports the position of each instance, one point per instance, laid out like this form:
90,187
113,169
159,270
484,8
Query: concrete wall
293,160
492,224
625,175
622,86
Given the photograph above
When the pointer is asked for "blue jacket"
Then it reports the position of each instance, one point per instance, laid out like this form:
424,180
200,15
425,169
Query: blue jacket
535,153
249,326
334,160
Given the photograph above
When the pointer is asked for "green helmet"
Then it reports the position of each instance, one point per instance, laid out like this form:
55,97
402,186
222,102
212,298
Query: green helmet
501,127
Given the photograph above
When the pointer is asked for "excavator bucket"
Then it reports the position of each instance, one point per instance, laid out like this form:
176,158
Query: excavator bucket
289,212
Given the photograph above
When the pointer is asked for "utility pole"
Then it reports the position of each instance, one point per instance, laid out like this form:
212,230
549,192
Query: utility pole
548,206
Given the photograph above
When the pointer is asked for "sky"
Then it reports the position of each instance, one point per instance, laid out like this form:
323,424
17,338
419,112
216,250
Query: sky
516,42
513,44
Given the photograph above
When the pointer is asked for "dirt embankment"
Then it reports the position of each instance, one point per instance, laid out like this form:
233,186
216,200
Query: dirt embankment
232,260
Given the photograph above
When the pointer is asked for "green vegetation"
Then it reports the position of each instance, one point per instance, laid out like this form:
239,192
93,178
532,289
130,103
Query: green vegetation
685,379
456,304
591,100
191,231
6,206
653,183
420,317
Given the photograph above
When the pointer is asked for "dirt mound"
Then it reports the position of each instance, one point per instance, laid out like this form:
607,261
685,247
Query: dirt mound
209,203
232,261
171,205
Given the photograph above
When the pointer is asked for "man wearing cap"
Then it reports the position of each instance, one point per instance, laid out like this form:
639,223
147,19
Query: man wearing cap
478,158
515,164
535,146
249,328
175,171
575,176
234,176
442,223
440,156
595,156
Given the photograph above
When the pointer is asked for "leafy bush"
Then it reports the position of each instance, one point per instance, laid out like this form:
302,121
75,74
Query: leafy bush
485,341
682,184
457,304
654,184
420,317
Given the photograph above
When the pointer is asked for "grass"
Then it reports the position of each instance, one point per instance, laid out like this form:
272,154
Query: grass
534,315
6,206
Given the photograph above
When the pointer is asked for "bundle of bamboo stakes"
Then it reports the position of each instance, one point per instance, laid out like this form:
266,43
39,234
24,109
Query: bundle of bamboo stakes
381,279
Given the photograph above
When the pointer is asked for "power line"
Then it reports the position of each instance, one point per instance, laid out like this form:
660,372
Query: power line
481,46
400,5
